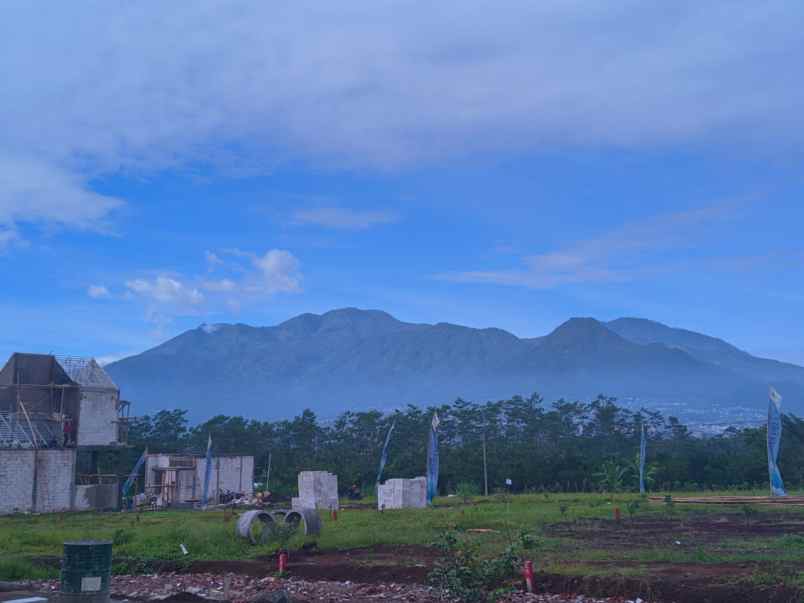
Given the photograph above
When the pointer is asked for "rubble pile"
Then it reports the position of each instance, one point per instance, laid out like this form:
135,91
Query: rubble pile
247,589
244,589
547,598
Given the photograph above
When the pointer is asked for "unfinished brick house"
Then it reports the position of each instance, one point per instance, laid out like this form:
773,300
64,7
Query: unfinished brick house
176,480
51,410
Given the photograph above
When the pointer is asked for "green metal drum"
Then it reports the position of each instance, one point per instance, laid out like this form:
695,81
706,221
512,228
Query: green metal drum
85,571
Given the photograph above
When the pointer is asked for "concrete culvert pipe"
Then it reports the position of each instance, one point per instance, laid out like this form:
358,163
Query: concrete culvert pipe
307,518
255,526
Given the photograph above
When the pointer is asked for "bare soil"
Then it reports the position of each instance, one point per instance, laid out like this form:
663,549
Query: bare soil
657,581
706,529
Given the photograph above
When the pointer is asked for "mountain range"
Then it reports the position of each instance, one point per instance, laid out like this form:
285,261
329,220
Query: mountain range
351,359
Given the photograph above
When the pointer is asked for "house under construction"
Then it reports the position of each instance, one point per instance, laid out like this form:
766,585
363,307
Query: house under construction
50,410
178,479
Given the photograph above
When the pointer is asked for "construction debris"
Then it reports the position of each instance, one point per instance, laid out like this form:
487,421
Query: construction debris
247,589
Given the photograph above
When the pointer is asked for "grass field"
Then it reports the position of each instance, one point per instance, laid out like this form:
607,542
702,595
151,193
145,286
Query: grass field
573,534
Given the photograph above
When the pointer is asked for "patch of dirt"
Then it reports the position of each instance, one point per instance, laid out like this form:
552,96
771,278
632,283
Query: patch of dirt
650,532
380,564
676,583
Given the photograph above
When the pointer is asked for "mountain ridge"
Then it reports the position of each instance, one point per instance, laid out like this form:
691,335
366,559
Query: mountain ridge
352,359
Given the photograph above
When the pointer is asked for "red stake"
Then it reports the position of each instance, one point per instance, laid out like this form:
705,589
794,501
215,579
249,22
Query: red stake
333,514
528,573
283,562
616,513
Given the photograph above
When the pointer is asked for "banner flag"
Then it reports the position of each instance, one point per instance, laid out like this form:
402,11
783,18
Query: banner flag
432,460
207,473
642,449
384,455
134,472
774,442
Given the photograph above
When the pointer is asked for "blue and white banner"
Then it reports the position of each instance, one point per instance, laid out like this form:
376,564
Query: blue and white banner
384,455
207,473
774,442
432,460
134,472
643,444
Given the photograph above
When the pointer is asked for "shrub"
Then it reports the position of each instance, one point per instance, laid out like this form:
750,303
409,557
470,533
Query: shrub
122,536
13,569
463,574
466,491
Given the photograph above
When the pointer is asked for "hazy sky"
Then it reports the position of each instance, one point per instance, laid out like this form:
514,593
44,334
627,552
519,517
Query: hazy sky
492,164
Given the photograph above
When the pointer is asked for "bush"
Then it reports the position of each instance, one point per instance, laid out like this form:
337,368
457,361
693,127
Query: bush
122,536
13,569
466,491
463,574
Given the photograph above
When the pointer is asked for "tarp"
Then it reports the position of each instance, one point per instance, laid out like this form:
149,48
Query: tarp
384,455
432,460
774,442
134,472
642,449
207,473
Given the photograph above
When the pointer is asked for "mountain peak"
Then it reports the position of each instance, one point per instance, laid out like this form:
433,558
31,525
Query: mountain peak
341,319
352,313
582,331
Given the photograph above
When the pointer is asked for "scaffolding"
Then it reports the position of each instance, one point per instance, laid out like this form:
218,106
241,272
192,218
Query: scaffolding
96,383
37,398
40,395
174,482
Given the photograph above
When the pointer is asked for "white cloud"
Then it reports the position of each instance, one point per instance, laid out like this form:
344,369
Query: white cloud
220,286
39,192
343,218
147,86
250,278
213,260
166,290
278,272
620,255
98,292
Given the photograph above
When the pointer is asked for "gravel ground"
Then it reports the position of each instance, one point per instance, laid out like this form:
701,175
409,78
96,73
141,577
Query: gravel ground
246,589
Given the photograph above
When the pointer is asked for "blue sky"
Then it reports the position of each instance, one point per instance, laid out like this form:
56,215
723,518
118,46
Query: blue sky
161,167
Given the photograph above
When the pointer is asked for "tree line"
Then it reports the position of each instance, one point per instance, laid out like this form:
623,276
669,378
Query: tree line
563,446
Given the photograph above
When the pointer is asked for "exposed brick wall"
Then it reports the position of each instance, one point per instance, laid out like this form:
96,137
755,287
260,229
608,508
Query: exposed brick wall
54,474
16,480
55,479
97,425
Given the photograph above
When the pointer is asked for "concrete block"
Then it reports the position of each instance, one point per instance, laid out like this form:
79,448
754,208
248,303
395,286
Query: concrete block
402,494
317,490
